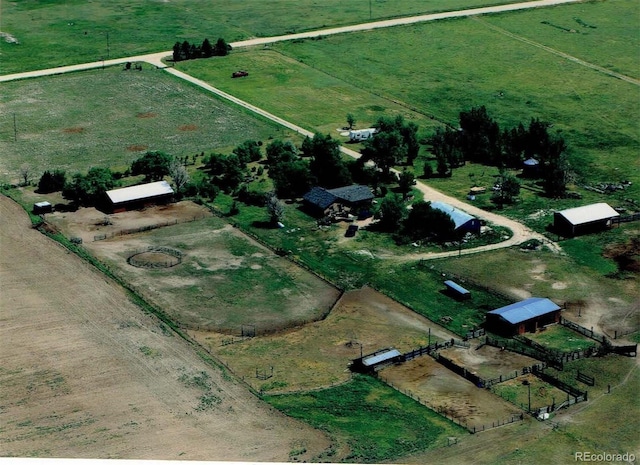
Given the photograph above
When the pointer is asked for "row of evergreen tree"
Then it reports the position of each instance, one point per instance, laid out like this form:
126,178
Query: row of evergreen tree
187,51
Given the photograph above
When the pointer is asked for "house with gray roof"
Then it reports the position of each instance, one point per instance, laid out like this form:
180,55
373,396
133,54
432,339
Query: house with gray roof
528,315
348,199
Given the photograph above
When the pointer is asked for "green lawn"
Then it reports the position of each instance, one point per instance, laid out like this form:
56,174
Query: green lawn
53,33
376,422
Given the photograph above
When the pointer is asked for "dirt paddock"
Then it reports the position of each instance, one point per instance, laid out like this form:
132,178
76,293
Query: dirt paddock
444,390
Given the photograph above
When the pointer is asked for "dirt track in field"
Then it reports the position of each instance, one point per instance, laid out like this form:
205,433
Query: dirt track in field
85,373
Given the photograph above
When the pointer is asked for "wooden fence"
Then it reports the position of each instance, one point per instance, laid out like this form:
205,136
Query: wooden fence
586,379
590,333
149,227
444,412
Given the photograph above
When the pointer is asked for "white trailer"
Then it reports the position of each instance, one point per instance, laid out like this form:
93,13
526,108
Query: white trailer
357,135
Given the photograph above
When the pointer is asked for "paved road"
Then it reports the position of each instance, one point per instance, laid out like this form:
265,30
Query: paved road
520,232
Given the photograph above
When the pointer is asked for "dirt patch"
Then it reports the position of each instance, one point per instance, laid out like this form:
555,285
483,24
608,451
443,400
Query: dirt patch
449,393
137,147
88,374
188,127
318,354
76,130
146,115
488,362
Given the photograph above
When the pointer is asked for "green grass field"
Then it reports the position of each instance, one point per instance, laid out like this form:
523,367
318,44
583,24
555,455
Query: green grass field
52,33
376,422
127,114
435,74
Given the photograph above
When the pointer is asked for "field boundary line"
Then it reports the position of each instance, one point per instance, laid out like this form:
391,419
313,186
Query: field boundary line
566,56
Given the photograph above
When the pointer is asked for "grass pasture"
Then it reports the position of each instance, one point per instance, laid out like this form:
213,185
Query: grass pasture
374,421
225,280
128,113
301,91
63,33
517,82
560,338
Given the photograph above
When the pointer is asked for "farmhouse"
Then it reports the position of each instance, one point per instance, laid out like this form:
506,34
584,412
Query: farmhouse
464,222
140,196
355,199
585,219
524,316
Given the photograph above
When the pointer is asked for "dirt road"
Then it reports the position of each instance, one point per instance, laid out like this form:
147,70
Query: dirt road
85,373
156,58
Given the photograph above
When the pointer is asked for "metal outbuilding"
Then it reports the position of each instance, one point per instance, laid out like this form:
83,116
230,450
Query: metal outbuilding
377,361
139,196
525,316
585,219
462,220
456,290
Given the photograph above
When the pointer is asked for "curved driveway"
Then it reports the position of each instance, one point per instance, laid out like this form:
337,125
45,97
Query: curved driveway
520,232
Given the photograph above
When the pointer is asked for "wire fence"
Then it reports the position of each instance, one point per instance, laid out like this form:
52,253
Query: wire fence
148,227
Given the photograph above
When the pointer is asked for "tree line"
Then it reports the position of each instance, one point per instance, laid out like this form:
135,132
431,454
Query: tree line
479,139
188,51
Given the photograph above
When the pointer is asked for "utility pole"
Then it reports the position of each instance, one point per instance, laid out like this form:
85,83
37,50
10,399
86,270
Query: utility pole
108,54
15,129
370,17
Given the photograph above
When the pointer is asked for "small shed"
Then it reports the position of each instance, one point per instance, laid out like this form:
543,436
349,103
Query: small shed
525,316
531,168
583,220
464,222
377,361
40,208
456,290
140,196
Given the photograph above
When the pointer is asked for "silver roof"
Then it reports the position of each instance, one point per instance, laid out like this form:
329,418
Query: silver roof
589,213
375,359
141,191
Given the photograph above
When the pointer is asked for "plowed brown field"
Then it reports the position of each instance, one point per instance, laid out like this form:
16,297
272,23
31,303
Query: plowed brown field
85,373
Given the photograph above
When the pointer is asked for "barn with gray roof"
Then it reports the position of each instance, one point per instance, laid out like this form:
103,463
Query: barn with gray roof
582,220
528,315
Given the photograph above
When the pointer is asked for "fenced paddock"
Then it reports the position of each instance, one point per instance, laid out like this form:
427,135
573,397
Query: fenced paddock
435,386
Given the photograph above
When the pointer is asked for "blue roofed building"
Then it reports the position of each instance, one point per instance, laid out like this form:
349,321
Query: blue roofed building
464,222
525,316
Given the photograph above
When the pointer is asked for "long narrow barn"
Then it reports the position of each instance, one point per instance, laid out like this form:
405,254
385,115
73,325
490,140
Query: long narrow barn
140,196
